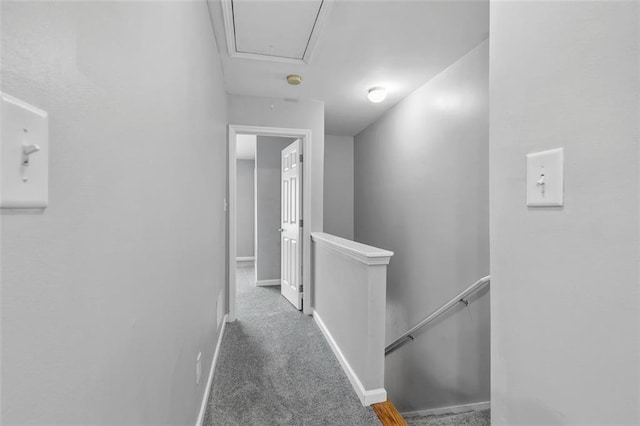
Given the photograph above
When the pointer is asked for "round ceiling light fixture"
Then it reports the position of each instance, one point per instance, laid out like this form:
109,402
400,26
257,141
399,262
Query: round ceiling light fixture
294,79
377,94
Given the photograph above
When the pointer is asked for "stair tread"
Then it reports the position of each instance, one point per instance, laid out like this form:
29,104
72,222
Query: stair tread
470,418
388,414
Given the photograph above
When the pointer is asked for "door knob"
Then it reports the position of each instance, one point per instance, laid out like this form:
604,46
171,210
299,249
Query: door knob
280,230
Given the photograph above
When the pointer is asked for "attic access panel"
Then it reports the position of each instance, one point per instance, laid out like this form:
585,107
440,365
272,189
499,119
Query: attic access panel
282,31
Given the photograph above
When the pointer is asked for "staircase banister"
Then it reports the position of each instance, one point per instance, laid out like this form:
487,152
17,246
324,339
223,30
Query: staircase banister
407,336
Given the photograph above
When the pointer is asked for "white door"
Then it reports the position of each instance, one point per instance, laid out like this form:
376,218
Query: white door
291,221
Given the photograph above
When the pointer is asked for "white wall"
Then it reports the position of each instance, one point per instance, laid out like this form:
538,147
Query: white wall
564,294
269,205
422,191
338,186
344,271
245,208
109,295
255,111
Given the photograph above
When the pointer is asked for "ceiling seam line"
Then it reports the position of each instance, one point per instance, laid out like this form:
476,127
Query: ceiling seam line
312,29
270,56
233,19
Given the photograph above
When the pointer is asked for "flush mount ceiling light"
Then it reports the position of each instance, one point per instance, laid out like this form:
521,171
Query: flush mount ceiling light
294,79
377,94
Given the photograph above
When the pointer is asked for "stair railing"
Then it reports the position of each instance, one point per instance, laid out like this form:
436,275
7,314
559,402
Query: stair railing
460,298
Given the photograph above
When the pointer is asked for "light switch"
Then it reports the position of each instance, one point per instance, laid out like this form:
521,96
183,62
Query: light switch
24,155
545,178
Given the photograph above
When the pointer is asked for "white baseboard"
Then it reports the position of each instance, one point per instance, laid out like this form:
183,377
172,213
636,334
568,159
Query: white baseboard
267,283
454,409
367,397
205,398
245,259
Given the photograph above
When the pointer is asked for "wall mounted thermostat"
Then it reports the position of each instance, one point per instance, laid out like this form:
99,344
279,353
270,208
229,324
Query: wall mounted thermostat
545,178
24,155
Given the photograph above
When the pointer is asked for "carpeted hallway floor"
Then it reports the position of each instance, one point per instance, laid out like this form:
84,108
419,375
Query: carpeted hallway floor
275,368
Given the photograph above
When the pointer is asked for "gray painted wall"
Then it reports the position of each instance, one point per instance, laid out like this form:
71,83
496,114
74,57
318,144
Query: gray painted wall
566,352
268,196
110,293
422,191
245,208
338,186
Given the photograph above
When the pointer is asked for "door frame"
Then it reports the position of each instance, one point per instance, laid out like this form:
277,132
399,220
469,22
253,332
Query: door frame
305,136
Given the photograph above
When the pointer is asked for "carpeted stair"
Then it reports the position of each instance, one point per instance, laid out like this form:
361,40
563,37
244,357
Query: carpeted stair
472,418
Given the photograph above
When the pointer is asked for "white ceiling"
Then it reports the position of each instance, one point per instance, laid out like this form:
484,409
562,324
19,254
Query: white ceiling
398,44
246,147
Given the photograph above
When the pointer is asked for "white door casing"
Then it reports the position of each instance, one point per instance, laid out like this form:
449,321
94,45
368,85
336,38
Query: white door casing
290,224
306,143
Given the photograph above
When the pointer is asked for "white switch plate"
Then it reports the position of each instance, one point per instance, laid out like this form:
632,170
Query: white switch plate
545,178
23,187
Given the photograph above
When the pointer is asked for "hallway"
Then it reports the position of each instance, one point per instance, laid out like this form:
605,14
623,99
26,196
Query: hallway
444,142
275,367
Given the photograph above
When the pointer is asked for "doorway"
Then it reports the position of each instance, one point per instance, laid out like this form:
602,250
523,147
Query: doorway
303,138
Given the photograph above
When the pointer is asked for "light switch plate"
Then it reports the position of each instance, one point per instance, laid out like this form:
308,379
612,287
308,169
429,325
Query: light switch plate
545,178
23,125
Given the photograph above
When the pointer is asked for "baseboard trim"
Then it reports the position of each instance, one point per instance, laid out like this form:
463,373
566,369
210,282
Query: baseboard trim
454,409
267,283
205,398
245,259
367,397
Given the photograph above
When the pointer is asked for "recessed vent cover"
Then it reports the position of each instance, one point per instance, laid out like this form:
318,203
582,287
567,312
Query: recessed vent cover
281,31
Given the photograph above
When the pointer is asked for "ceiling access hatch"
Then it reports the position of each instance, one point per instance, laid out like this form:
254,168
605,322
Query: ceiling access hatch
281,31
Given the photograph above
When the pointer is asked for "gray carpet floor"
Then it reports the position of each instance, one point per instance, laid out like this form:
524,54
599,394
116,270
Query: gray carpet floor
276,368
